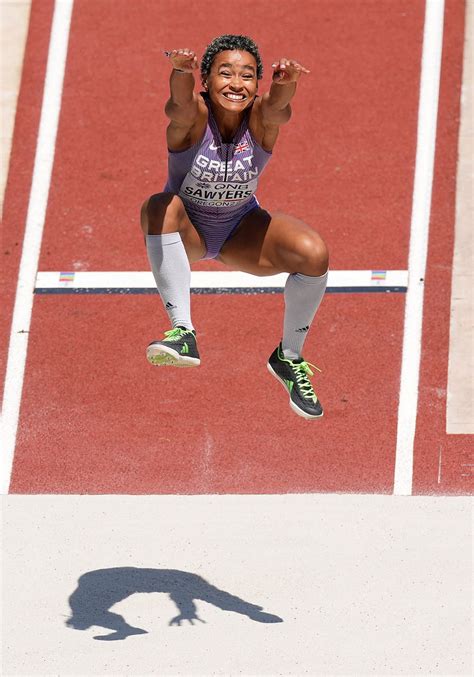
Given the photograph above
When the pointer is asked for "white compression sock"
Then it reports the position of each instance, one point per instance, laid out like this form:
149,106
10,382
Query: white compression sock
172,274
303,294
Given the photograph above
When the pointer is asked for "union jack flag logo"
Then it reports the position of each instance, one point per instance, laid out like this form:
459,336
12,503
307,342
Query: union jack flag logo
241,147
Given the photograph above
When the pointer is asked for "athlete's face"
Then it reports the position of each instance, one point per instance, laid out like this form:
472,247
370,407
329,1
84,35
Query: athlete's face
232,82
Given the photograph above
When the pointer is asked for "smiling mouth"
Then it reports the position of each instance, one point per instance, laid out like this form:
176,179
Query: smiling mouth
234,97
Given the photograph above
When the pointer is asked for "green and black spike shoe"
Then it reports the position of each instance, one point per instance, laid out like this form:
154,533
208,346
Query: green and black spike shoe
177,349
293,374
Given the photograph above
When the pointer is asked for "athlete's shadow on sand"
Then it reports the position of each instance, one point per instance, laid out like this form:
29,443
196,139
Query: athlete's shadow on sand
98,591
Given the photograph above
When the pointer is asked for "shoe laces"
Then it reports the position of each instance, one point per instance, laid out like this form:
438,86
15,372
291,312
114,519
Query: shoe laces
302,372
176,334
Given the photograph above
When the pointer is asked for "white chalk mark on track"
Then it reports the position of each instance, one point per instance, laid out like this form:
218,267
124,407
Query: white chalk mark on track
420,220
42,170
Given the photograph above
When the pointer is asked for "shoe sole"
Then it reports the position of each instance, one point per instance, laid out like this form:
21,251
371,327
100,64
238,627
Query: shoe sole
294,406
163,356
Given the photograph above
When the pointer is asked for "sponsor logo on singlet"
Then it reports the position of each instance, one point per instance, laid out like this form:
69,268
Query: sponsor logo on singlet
214,183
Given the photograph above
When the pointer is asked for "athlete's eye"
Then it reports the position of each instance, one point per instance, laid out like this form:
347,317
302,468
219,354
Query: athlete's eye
225,73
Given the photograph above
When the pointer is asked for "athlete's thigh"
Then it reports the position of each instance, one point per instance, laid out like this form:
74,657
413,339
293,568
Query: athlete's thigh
165,213
266,244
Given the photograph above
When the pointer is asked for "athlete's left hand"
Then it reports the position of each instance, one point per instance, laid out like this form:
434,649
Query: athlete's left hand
286,71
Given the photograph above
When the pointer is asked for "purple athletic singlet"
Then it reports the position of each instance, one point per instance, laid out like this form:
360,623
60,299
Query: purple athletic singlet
217,181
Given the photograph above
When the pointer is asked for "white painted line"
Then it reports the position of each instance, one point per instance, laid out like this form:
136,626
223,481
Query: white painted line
213,279
439,465
43,165
460,397
425,152
13,31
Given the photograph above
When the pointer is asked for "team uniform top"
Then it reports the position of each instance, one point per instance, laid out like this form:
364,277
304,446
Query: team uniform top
217,181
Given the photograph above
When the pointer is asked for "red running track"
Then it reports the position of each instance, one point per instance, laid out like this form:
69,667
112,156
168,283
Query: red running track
95,417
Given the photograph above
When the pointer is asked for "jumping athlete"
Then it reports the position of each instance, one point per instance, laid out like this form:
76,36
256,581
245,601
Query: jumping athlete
219,142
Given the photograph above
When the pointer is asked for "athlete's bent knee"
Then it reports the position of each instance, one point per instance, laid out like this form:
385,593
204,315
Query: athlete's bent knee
314,253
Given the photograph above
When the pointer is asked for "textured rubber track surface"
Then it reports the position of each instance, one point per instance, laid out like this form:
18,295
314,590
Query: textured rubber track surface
440,461
113,423
95,416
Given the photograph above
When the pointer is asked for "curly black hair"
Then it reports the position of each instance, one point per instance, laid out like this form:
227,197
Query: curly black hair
230,42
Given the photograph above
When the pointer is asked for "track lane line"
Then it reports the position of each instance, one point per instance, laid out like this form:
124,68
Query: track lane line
419,233
44,158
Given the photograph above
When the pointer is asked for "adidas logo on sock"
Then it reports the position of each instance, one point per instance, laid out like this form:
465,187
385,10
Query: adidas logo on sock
169,306
303,329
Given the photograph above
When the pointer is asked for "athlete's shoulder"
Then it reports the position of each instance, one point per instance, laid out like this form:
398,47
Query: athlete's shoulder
202,98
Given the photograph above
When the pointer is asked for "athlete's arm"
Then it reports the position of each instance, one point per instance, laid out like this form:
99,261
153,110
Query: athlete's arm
182,108
273,108
276,109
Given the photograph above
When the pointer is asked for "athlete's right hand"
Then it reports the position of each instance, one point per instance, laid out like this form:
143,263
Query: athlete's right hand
183,60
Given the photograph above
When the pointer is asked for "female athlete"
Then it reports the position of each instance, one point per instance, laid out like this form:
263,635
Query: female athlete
219,142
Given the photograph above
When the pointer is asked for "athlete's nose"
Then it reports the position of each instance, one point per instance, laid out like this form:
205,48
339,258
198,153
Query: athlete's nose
236,82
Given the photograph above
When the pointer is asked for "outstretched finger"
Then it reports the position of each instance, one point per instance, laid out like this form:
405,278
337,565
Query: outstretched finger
299,67
302,69
284,64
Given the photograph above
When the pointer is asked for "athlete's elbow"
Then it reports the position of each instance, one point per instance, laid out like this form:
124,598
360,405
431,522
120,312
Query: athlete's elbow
277,116
181,111
285,115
